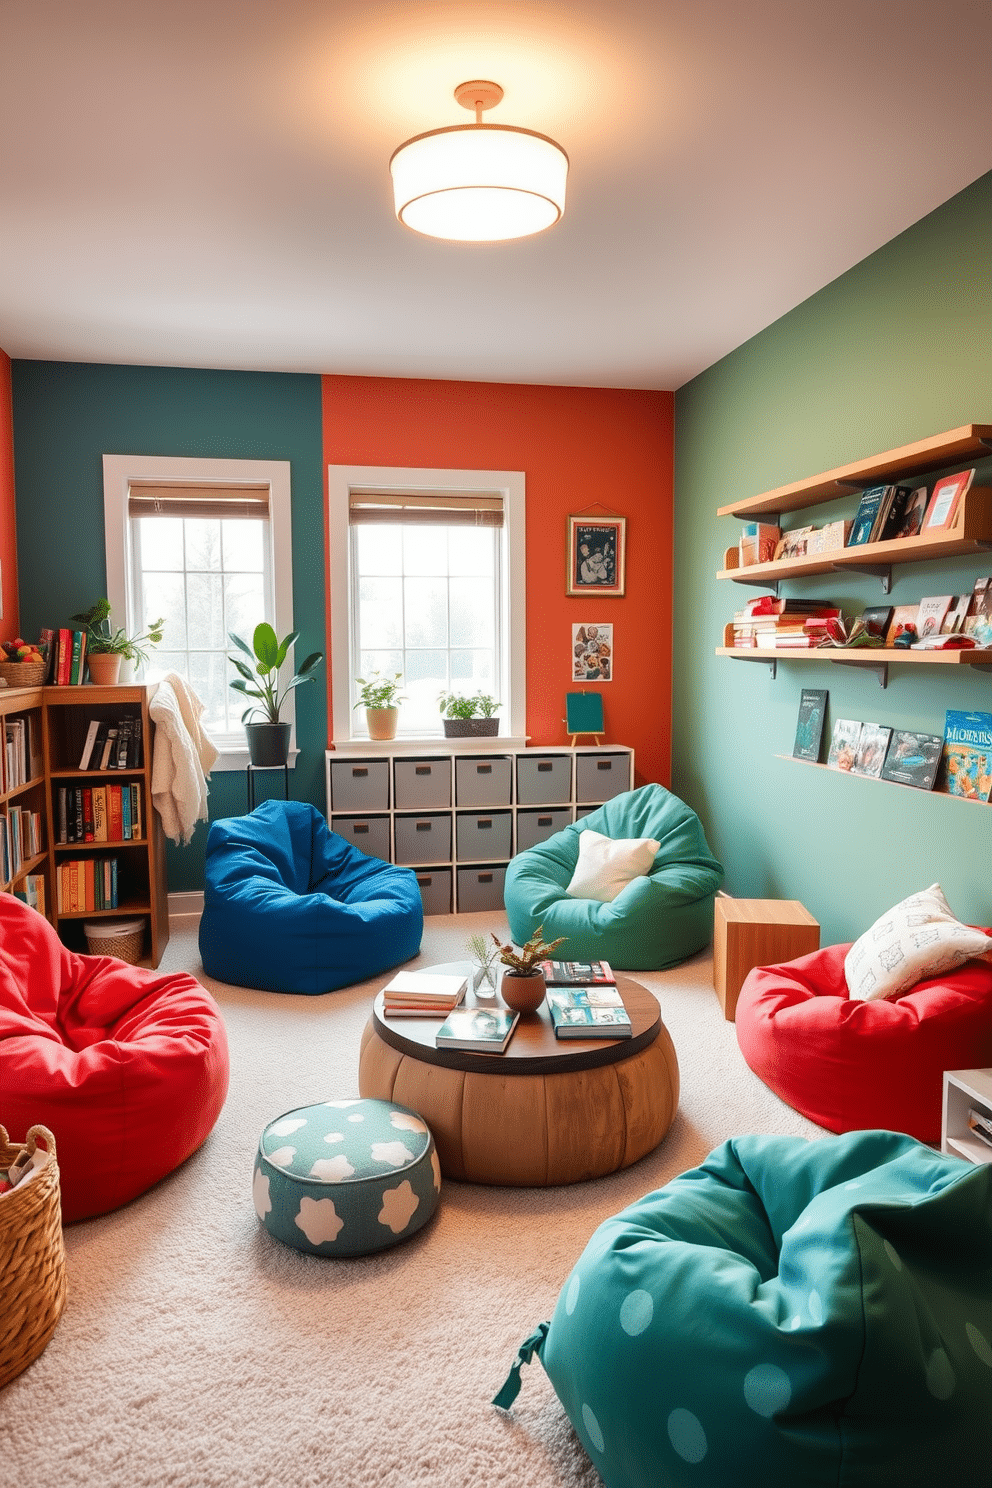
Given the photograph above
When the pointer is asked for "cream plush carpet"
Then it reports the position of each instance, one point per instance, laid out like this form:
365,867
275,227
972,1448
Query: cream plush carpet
197,1352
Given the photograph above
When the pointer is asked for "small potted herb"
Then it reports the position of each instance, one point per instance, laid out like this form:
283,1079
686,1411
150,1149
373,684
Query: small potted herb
268,736
109,647
380,697
468,717
523,985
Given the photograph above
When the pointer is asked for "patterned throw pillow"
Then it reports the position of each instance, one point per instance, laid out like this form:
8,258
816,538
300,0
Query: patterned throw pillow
917,939
607,864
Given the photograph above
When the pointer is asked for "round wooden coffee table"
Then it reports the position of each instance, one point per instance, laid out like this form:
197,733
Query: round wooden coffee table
545,1112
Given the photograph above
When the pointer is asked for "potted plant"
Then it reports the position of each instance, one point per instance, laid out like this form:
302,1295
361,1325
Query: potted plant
108,646
523,986
268,736
380,697
468,717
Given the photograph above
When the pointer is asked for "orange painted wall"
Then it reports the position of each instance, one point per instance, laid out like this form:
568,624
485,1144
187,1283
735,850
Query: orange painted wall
576,446
8,524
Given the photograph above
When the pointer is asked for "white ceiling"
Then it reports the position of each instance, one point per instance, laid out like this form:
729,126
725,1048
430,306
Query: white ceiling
205,182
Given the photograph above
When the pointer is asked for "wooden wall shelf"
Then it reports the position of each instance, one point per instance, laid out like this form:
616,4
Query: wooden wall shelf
877,780
960,446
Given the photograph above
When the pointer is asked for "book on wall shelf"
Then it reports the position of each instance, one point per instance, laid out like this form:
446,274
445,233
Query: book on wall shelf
890,517
809,725
966,756
978,621
866,516
486,1030
912,759
930,614
844,744
873,741
946,499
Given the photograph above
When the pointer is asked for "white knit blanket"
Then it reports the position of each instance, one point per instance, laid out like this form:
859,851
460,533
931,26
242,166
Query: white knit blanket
183,758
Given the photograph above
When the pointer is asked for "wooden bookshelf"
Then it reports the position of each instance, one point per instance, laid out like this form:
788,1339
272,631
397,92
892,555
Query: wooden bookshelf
22,786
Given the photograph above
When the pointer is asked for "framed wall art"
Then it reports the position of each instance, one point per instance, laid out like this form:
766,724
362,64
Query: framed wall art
597,555
592,654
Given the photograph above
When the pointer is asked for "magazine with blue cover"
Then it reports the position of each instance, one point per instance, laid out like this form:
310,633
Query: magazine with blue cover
966,760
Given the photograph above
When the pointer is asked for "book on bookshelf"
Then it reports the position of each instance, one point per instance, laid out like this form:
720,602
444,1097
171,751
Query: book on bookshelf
487,1030
109,748
578,974
930,614
957,612
912,758
873,741
794,543
946,499
89,744
809,724
890,518
758,542
844,744
577,1020
876,619
902,624
966,756
978,621
913,513
867,515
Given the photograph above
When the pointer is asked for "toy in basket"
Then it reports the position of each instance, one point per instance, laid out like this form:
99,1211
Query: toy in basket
32,1256
23,664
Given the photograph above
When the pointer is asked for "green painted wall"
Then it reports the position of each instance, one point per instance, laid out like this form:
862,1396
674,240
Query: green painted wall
898,348
68,415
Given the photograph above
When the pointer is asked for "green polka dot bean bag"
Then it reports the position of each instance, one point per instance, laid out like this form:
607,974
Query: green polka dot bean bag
790,1314
346,1178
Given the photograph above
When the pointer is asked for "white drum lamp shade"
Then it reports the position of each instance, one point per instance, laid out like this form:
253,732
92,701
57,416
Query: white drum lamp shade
479,183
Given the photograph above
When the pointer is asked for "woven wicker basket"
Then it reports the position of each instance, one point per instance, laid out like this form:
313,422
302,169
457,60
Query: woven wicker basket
32,1257
23,673
124,939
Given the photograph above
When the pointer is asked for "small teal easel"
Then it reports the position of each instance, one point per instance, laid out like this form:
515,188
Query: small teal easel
584,716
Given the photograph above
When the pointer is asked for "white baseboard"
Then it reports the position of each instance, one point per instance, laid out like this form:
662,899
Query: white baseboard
186,904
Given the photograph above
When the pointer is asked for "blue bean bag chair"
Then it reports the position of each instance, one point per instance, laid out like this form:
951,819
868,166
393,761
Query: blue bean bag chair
657,920
789,1313
290,906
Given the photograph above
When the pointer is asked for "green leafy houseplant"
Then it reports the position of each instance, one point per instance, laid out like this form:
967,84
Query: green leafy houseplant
523,981
467,717
105,639
379,691
260,680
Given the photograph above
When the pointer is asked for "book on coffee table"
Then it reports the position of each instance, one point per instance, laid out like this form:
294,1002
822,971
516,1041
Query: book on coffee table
580,1020
487,1030
423,994
578,974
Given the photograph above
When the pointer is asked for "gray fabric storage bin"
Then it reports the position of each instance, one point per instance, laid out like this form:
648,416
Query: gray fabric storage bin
421,782
435,890
537,826
369,833
599,777
480,888
543,779
581,811
485,834
360,785
482,782
423,839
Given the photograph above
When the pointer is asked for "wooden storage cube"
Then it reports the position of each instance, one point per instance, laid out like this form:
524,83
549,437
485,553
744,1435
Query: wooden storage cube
418,783
359,785
537,826
435,890
599,777
368,833
756,932
483,835
480,888
544,779
483,781
423,839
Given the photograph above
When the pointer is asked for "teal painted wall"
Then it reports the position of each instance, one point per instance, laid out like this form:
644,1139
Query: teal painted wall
68,415
898,348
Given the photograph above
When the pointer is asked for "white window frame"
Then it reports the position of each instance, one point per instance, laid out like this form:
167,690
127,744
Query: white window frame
118,473
342,480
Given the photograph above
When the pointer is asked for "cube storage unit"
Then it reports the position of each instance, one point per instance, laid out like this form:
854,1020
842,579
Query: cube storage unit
965,1091
456,813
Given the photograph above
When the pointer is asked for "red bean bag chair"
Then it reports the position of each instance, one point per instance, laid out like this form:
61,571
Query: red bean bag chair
852,1065
126,1067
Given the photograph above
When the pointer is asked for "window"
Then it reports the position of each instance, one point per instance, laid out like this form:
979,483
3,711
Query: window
426,570
206,545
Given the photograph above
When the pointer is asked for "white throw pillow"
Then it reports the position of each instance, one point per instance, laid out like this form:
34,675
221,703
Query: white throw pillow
606,864
914,941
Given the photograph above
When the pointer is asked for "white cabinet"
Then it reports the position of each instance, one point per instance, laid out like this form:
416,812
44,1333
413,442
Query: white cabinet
457,814
964,1091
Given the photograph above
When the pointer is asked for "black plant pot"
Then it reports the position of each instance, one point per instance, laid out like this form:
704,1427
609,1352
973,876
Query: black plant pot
268,743
470,728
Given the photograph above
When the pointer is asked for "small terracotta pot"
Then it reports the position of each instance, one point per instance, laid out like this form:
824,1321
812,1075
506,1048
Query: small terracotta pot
105,668
382,722
524,994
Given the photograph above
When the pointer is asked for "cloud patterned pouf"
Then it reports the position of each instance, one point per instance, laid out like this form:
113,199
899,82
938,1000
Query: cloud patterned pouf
789,1313
346,1178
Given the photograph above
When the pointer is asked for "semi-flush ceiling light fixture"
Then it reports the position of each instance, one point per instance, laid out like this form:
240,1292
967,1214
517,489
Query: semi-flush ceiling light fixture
479,183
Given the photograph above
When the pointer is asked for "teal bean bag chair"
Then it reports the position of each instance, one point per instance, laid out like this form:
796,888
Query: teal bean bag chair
658,920
790,1314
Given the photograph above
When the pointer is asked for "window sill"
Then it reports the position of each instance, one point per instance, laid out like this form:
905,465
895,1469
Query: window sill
235,757
430,744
